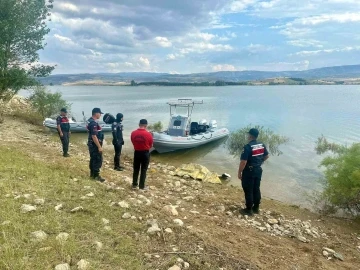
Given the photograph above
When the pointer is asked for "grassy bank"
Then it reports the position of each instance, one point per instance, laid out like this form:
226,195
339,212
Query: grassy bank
213,236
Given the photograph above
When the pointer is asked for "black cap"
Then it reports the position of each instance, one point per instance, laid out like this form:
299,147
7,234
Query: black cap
96,110
254,132
143,122
63,110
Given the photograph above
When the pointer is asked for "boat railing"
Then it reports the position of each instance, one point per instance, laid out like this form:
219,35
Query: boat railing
184,102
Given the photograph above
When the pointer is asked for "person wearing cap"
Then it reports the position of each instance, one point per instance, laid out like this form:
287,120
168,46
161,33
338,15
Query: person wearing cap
118,140
250,171
95,142
63,128
142,141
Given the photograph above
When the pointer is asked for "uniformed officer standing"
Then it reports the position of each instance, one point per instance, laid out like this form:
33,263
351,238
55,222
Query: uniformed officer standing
250,171
63,127
118,140
142,141
95,142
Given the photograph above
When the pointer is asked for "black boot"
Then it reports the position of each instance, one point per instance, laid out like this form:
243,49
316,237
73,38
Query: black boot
92,174
246,211
256,209
97,177
119,168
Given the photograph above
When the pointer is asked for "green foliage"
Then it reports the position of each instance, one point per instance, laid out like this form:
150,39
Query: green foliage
47,104
342,175
22,31
133,83
156,127
238,139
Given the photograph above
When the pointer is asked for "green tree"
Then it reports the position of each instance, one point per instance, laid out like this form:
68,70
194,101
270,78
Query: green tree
238,139
341,176
133,83
22,31
47,104
157,127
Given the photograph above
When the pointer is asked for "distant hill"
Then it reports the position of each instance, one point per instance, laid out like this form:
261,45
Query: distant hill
336,72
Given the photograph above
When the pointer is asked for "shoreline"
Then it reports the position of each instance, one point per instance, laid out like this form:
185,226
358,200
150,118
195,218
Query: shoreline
209,213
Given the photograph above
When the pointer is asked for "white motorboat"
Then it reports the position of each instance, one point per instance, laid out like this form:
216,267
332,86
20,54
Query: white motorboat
182,133
75,127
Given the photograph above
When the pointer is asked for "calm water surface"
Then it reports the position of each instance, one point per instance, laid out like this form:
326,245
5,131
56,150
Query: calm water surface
300,112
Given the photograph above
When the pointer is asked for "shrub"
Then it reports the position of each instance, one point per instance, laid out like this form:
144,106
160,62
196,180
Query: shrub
238,139
341,176
47,104
156,127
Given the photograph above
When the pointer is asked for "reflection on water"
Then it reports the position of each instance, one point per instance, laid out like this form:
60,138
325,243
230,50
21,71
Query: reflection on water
188,155
301,113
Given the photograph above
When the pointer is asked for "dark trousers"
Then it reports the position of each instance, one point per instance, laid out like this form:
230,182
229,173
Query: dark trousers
141,163
251,185
65,140
117,149
96,160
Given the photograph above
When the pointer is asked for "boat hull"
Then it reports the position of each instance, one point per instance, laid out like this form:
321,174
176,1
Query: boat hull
164,143
75,127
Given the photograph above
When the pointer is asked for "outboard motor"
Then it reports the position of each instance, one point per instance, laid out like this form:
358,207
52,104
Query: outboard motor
203,126
213,124
109,118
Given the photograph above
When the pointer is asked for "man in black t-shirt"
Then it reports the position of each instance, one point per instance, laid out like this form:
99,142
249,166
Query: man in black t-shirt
250,172
63,128
118,140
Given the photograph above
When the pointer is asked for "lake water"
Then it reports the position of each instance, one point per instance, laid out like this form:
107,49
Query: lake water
301,113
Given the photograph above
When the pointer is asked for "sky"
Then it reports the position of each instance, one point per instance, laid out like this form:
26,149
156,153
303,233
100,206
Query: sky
193,36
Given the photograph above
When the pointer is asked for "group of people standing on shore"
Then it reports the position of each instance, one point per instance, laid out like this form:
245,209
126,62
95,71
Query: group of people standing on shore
141,139
250,172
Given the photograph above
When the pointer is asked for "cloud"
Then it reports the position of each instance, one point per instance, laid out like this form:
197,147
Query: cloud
305,43
224,67
310,53
144,61
163,42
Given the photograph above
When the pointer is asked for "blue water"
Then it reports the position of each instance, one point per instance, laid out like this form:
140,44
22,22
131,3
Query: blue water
301,113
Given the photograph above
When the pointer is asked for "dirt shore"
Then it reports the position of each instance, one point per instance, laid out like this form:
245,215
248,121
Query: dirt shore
178,224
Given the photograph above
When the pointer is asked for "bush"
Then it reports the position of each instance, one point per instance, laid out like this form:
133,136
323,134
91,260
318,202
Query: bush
29,116
156,127
47,104
342,176
238,139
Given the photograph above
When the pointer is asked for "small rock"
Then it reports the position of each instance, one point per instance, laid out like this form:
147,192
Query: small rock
339,256
77,209
107,228
123,204
179,222
105,221
168,230
302,239
175,267
62,237
179,260
171,210
330,251
272,221
126,216
83,265
39,201
27,196
186,265
177,184
188,198
6,222
58,207
39,236
325,253
25,208
220,208
147,256
45,249
153,229
90,194
63,266
262,229
99,246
